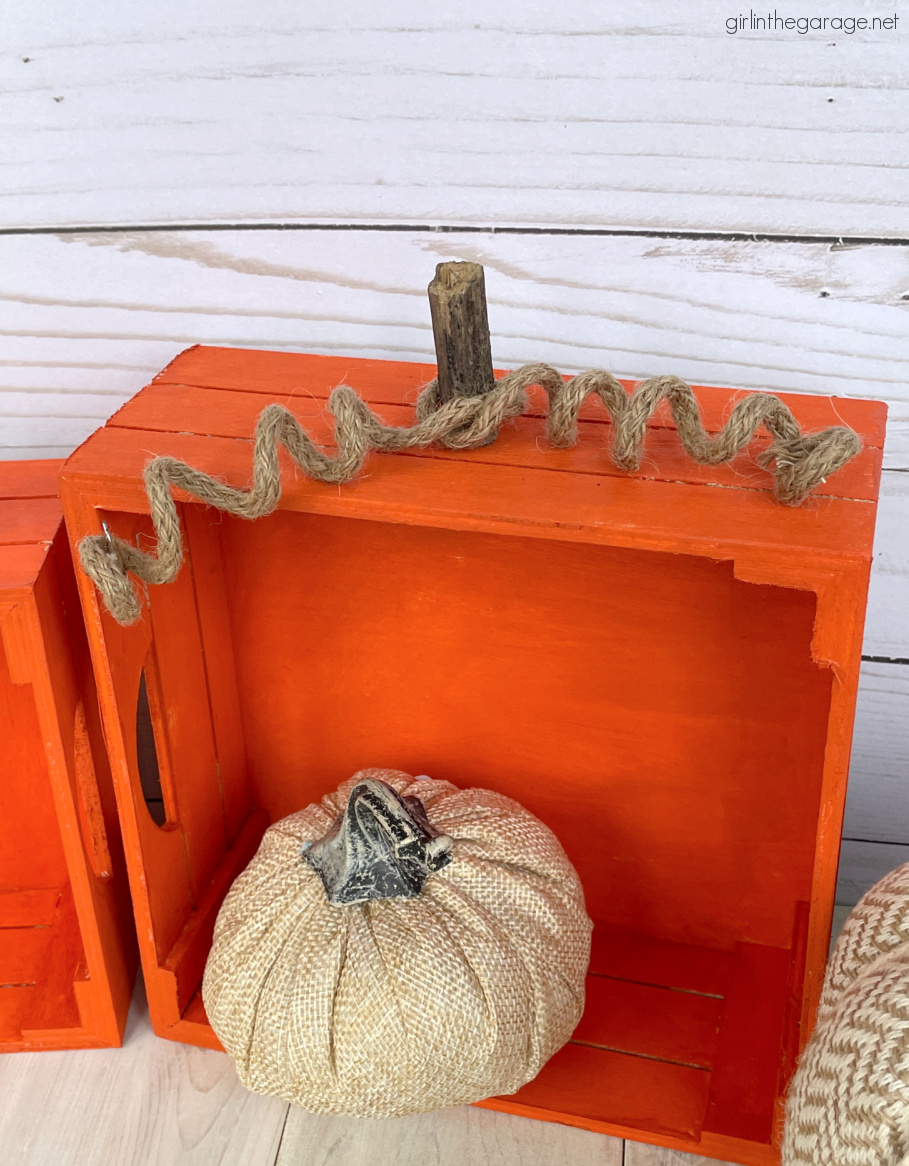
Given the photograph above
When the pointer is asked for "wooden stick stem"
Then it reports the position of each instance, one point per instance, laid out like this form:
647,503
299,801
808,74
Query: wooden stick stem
457,303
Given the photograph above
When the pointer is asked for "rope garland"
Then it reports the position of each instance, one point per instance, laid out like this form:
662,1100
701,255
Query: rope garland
801,460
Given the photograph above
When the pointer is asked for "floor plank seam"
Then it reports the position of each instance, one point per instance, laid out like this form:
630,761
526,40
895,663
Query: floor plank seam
281,1136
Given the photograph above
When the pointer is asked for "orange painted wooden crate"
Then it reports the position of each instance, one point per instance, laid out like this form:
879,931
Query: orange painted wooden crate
67,947
662,666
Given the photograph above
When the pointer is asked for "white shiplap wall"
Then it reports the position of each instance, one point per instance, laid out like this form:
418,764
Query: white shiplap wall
634,115
650,119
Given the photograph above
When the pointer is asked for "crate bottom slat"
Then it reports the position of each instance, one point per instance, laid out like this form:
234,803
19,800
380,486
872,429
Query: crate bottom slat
41,960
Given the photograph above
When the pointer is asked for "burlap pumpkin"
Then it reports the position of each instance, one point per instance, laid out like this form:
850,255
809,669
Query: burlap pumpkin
404,1004
849,1100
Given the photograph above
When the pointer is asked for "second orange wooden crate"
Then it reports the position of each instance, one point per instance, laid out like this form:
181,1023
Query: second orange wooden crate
662,666
67,947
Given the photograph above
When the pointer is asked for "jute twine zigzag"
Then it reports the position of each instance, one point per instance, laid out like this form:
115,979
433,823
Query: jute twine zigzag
802,460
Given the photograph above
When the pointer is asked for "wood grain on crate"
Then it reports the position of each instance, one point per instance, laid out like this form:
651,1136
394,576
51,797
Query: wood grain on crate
573,115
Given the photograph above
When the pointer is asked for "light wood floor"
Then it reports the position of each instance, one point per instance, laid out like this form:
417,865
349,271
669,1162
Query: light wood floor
157,1103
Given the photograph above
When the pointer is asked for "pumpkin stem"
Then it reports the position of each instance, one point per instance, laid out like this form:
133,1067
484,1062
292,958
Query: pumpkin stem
382,846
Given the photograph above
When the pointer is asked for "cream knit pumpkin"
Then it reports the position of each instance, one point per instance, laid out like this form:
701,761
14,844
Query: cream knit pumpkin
849,1100
402,1005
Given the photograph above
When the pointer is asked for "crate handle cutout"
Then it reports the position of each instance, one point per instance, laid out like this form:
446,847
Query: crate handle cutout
803,460
147,756
155,792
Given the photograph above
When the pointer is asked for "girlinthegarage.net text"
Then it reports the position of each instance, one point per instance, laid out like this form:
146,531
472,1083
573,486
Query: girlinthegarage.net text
773,22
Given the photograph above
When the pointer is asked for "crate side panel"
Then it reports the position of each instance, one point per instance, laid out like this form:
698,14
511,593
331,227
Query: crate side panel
85,804
185,720
26,802
745,1083
203,527
155,856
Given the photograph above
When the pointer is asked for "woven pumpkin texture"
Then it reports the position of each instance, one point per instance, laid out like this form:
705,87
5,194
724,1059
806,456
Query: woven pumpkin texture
402,1005
848,1103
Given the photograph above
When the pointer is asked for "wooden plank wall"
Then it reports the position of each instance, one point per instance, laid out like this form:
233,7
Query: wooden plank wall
648,192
